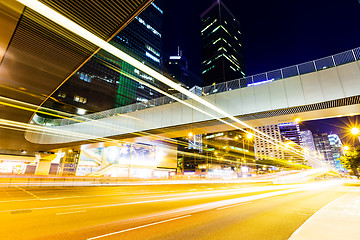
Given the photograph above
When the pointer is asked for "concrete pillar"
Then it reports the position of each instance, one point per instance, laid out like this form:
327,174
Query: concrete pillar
44,163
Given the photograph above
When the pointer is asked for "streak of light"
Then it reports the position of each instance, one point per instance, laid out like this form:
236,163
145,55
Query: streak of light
65,213
172,197
134,228
47,111
236,205
75,28
224,203
49,131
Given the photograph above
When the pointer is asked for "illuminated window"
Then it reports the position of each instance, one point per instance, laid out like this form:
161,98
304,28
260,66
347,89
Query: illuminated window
148,26
80,99
208,26
151,49
62,94
152,57
157,8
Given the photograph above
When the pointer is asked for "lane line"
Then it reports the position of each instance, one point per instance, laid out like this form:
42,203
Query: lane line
193,195
28,192
71,212
143,226
233,205
305,214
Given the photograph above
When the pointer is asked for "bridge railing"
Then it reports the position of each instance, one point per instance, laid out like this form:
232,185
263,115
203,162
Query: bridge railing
258,79
303,68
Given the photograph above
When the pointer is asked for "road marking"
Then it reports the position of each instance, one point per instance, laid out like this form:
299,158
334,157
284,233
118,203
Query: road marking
233,205
28,192
305,214
143,226
71,212
291,189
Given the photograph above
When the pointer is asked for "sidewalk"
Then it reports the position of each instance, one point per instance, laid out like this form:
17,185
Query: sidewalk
338,220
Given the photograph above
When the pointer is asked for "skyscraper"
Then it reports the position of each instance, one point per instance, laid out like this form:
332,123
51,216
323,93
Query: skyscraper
323,147
265,150
336,150
177,68
105,82
291,132
307,140
221,50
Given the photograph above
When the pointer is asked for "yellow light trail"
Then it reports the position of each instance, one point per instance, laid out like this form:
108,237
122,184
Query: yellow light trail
75,28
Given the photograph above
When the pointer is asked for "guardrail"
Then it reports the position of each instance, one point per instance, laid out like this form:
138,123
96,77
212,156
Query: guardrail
258,79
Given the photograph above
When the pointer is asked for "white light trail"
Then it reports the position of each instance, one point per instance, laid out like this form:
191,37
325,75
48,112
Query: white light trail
134,228
77,29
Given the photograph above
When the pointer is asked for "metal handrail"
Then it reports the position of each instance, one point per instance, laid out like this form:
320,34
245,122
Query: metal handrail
254,80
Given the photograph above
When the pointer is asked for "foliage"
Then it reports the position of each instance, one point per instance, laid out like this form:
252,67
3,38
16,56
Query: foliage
351,161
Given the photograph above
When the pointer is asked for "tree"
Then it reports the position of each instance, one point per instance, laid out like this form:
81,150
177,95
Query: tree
351,161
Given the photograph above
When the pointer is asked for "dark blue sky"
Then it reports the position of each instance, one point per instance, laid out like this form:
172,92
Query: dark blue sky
276,33
340,126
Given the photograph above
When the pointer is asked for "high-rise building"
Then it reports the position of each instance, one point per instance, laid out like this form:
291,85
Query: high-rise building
308,145
105,82
177,68
221,45
323,147
307,140
291,133
265,150
216,153
336,150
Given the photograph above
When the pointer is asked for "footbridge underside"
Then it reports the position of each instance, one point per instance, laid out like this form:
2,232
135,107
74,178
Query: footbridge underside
327,93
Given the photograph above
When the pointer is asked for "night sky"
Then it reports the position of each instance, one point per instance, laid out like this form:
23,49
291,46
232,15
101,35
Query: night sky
276,34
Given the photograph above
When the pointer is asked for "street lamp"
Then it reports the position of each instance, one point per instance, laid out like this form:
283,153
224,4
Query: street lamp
346,148
355,131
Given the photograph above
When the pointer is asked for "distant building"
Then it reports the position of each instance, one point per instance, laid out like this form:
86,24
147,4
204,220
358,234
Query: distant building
307,140
336,150
221,45
265,150
177,68
291,133
323,147
308,145
216,155
105,82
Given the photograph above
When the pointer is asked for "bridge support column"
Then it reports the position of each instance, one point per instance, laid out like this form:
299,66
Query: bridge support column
44,163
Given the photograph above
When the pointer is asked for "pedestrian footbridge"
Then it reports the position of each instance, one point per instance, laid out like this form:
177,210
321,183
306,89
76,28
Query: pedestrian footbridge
324,88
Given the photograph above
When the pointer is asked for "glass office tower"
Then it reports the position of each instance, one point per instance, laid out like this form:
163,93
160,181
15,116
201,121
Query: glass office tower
221,45
105,82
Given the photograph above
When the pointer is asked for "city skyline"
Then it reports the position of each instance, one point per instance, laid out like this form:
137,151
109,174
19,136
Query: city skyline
276,35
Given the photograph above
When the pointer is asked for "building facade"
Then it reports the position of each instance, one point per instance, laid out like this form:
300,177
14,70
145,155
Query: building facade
336,150
307,140
221,45
323,147
216,155
177,68
291,134
105,82
265,150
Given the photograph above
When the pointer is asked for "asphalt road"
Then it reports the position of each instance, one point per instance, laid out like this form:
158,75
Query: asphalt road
198,211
